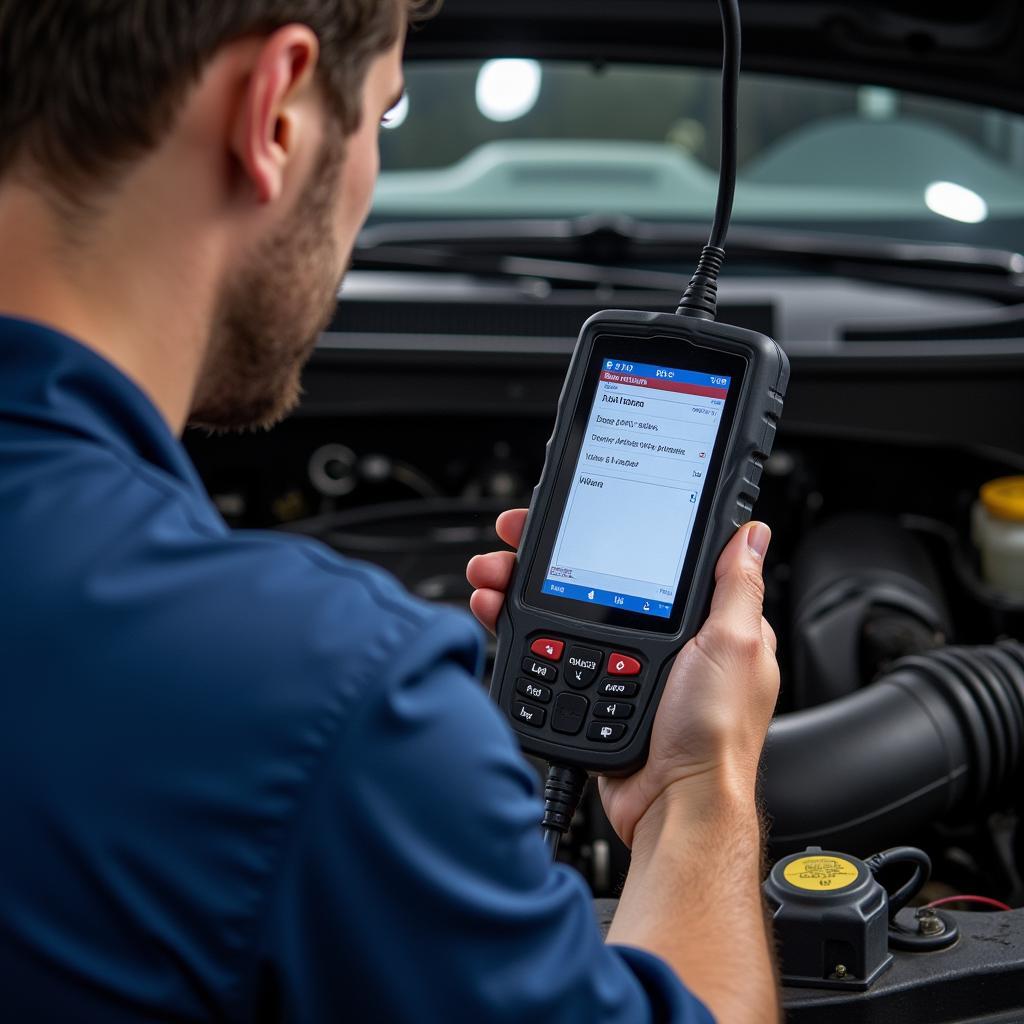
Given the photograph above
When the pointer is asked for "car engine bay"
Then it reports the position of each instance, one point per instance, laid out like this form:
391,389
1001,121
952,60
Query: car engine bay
901,720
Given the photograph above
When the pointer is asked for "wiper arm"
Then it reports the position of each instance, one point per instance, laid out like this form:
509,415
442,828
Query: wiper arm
885,251
405,257
998,273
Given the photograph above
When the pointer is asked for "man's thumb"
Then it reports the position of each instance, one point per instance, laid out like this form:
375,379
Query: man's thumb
739,586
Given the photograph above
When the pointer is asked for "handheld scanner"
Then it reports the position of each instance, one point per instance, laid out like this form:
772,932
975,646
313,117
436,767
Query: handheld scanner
664,424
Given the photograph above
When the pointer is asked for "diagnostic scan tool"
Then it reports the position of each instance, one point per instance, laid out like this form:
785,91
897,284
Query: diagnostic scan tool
664,424
662,432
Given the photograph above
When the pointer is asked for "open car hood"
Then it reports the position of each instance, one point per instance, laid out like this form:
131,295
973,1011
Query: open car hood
972,52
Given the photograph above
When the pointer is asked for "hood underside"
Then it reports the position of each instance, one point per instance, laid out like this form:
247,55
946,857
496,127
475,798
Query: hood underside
972,52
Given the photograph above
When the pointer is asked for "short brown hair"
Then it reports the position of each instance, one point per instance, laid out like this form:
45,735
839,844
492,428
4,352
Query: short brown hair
88,85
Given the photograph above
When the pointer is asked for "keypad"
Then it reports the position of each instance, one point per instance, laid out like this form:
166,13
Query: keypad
604,716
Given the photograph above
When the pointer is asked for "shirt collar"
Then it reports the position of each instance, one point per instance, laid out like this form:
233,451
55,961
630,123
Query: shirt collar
54,382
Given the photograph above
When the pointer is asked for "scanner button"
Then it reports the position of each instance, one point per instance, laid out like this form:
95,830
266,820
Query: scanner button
550,649
606,732
534,691
613,709
540,670
623,665
613,688
528,715
582,666
569,713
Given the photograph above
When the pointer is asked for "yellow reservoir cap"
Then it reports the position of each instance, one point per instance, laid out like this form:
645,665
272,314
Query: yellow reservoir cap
1004,498
821,873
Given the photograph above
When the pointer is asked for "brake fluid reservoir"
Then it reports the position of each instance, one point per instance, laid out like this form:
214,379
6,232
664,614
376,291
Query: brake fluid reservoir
998,527
831,920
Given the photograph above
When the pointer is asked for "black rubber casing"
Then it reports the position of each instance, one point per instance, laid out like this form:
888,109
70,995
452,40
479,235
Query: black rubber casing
732,497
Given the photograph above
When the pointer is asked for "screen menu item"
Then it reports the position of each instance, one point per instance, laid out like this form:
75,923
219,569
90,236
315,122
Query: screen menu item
629,513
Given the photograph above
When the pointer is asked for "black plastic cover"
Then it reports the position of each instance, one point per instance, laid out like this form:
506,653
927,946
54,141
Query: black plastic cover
831,920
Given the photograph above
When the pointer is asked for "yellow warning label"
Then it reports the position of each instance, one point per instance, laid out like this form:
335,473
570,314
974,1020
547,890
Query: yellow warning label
820,874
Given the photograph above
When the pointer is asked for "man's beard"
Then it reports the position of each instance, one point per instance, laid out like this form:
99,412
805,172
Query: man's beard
271,313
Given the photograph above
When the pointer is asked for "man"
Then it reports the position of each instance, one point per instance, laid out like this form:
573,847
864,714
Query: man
245,779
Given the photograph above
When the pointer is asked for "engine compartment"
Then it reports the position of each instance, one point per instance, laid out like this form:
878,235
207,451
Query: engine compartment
406,449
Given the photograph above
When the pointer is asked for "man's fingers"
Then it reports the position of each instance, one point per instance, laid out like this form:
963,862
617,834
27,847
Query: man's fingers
510,526
486,605
490,574
492,571
739,587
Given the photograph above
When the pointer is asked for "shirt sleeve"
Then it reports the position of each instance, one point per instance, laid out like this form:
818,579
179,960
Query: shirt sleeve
416,886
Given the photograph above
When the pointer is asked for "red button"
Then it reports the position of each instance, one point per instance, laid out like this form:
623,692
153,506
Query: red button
623,665
550,649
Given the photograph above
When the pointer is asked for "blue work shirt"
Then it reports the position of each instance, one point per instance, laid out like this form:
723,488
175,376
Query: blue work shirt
243,778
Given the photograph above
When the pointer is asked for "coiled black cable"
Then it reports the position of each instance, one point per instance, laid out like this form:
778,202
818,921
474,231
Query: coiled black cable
563,790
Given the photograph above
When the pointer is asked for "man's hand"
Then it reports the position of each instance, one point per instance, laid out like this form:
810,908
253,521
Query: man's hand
693,892
718,702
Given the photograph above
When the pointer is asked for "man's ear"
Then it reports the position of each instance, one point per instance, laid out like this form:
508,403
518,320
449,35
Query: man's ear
274,117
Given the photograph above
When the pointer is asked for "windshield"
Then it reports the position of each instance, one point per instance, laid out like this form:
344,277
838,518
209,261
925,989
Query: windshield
514,138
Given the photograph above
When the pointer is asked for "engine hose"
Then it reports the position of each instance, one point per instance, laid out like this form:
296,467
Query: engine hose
864,594
940,732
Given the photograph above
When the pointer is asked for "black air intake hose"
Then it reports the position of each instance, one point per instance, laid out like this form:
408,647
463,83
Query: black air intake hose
941,731
865,593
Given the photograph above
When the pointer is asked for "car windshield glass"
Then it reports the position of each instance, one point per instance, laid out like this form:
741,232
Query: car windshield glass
515,138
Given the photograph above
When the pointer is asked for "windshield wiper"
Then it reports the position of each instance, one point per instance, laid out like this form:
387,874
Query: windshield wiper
605,245
404,257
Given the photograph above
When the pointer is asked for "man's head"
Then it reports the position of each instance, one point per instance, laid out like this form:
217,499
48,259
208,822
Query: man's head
262,113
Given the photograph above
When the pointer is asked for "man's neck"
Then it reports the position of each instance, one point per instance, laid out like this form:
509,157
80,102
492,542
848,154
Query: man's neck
129,291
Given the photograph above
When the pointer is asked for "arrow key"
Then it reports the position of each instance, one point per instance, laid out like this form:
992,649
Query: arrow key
613,709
